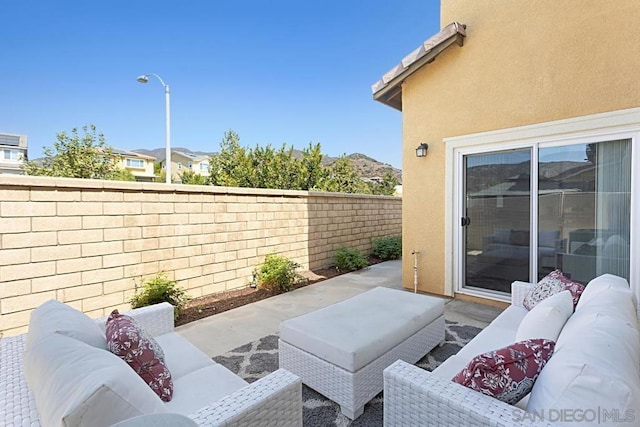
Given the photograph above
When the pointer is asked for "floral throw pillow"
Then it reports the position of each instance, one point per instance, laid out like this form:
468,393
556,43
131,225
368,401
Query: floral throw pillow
552,284
508,374
132,344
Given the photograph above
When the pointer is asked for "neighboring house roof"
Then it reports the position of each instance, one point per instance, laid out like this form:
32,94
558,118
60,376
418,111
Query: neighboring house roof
11,140
191,156
131,154
388,89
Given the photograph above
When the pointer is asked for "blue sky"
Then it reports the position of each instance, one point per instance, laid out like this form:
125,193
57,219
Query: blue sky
276,72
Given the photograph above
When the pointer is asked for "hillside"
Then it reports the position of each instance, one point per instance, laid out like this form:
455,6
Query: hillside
368,167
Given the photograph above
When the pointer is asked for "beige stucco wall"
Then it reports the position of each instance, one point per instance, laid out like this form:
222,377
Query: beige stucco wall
184,162
146,172
86,242
523,62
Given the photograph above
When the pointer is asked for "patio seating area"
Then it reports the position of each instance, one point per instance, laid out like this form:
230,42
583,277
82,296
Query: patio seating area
240,402
67,378
590,377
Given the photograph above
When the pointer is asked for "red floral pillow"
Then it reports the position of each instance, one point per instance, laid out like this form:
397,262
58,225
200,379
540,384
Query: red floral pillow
552,284
131,343
508,374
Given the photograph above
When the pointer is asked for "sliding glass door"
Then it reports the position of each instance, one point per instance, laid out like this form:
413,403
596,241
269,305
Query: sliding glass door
496,220
584,204
579,221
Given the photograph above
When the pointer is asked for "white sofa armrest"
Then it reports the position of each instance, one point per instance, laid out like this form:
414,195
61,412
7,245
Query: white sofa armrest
416,397
156,319
274,400
519,290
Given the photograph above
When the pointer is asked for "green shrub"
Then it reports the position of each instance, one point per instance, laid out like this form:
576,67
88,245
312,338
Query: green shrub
277,273
159,289
350,259
389,247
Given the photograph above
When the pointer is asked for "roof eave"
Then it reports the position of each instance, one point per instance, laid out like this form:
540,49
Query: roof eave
389,91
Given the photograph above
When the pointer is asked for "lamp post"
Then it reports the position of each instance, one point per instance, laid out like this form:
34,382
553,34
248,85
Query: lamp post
144,79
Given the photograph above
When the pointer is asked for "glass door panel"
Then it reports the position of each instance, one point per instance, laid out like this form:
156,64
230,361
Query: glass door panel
496,223
584,194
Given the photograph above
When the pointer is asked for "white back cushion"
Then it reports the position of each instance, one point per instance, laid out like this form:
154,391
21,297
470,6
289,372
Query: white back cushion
547,318
596,363
605,283
56,317
75,384
582,387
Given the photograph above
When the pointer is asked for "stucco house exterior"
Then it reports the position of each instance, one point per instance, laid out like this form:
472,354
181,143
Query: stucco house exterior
140,165
13,153
181,160
531,113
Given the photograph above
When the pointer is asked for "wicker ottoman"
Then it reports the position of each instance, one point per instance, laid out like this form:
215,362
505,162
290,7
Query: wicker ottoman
341,350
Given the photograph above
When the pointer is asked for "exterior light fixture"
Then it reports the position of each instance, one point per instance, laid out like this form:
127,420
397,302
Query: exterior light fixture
144,79
421,151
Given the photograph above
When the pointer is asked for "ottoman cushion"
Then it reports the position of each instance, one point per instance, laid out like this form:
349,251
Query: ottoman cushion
334,333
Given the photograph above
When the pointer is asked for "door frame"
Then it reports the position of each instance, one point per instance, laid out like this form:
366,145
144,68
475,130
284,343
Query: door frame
592,128
459,212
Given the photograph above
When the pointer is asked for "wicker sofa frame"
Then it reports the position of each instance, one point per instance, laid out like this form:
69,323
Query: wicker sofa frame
416,397
275,400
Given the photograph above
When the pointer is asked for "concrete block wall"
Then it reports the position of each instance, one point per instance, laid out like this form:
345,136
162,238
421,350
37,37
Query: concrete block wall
88,243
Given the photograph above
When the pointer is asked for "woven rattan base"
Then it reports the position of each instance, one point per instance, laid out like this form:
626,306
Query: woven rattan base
351,390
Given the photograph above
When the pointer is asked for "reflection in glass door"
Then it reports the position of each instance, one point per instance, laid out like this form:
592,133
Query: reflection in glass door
584,206
496,219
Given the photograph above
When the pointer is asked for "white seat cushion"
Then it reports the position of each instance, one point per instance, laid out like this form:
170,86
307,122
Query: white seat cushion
56,317
500,333
198,389
510,318
547,318
491,338
356,331
74,383
450,367
181,357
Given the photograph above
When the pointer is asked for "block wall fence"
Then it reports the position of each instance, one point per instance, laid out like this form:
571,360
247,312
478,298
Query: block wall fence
87,242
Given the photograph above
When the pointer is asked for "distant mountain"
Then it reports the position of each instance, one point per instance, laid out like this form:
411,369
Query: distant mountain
484,176
368,167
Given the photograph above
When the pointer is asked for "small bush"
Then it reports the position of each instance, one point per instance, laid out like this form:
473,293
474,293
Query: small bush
277,273
389,247
350,259
159,289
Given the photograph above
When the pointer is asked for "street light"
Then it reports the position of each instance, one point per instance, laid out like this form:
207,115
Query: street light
144,79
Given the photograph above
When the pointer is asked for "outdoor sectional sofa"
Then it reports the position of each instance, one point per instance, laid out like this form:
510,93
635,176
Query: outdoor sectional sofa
593,376
75,380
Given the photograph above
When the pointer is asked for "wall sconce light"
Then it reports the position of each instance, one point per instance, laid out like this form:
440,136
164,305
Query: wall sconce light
421,151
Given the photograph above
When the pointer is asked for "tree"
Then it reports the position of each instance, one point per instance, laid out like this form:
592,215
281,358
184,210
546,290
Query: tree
231,166
312,171
266,167
159,172
123,175
275,168
192,178
77,156
260,167
344,178
388,185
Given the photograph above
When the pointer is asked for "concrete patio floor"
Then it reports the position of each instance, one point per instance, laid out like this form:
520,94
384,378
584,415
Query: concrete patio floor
222,332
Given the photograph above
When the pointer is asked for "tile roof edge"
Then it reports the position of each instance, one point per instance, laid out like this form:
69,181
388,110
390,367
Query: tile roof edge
447,35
